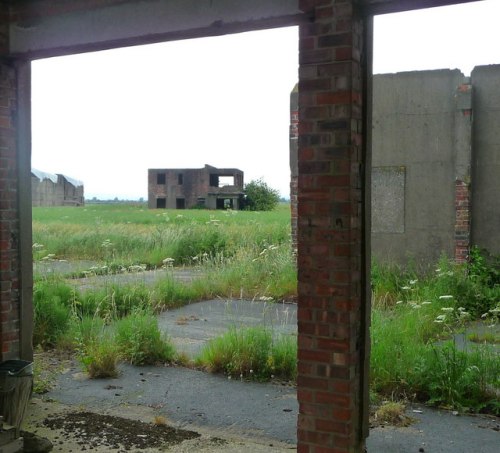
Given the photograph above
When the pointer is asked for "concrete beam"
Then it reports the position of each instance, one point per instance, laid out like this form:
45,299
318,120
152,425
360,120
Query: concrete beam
374,7
47,28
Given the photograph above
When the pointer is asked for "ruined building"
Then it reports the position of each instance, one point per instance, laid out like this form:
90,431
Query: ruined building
434,166
48,189
333,180
184,188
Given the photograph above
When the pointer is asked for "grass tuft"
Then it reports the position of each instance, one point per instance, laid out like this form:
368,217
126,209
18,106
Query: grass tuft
251,353
139,340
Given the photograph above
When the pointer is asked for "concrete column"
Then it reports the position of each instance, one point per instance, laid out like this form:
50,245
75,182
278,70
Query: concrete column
332,231
23,72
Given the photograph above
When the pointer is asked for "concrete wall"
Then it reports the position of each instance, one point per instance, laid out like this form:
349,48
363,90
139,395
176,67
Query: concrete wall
486,158
413,178
45,192
435,164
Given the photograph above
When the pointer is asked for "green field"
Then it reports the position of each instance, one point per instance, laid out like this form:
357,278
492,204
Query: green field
132,234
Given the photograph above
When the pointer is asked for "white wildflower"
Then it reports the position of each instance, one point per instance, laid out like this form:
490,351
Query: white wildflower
426,302
447,296
447,309
412,282
405,288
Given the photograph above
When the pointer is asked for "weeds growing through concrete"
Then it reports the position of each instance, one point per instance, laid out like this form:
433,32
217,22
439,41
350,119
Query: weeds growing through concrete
247,255
251,353
140,342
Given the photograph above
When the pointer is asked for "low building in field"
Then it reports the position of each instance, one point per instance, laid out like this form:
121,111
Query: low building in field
49,189
184,188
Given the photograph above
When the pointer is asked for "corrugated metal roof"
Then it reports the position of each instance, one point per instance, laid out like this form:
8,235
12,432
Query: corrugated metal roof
41,175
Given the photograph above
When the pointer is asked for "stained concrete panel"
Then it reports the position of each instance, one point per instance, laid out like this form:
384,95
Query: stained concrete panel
486,158
388,200
414,127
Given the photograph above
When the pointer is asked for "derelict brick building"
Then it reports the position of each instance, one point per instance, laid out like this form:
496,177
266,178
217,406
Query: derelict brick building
184,188
48,189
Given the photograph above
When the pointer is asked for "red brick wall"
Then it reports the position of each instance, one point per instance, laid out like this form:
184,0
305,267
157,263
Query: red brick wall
294,180
331,292
9,216
462,221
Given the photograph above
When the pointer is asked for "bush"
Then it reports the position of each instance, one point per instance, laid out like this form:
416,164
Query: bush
260,197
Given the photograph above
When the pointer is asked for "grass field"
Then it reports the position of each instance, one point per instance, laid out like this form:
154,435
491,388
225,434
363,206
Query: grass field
248,254
132,234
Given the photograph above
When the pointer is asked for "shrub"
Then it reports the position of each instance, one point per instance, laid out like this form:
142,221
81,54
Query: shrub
260,197
139,340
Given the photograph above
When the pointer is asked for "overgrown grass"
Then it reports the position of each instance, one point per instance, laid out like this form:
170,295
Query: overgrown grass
251,353
243,254
411,315
129,234
140,342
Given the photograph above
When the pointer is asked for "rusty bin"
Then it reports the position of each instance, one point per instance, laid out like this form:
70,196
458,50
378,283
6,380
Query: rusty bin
16,385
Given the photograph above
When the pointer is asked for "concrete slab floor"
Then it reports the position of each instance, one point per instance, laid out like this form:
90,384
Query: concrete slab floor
248,416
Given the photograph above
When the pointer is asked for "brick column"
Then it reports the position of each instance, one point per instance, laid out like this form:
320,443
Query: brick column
462,221
294,177
9,216
332,302
463,157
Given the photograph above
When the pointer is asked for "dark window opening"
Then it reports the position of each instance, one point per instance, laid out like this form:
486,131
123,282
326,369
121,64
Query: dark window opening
161,178
161,203
214,180
201,202
224,203
180,203
180,179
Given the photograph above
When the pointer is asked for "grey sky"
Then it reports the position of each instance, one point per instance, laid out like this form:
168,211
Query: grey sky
106,117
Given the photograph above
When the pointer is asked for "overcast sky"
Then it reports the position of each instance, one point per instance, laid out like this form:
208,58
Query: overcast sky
106,117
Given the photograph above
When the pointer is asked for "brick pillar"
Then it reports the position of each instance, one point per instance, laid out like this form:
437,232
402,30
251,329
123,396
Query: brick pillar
463,157
462,221
332,300
294,177
9,216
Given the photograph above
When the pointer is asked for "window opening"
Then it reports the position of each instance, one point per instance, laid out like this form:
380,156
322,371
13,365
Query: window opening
161,178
